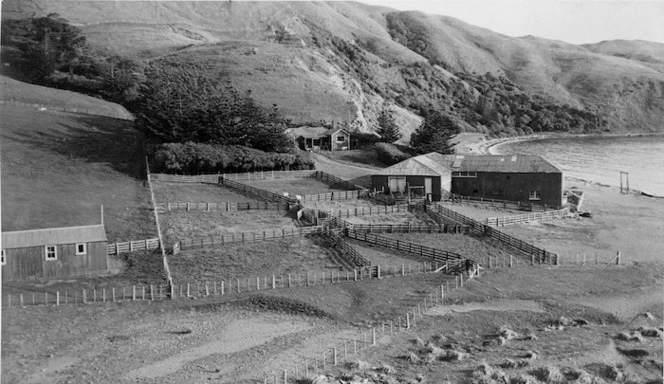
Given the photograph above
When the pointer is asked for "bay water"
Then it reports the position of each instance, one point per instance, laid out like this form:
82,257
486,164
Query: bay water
600,159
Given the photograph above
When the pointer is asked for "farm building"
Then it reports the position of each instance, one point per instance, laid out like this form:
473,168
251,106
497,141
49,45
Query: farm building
54,252
523,178
320,138
425,172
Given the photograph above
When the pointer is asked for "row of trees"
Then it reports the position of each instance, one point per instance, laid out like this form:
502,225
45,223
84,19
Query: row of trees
172,102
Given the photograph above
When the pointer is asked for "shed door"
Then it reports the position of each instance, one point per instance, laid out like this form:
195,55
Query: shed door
397,184
427,186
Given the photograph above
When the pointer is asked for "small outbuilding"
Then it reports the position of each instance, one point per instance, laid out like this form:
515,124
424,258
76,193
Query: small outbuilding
54,252
320,138
425,173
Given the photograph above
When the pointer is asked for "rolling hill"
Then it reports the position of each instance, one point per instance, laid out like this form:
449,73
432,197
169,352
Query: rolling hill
340,61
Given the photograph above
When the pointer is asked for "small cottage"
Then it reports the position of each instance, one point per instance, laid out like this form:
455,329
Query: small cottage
424,173
54,252
320,138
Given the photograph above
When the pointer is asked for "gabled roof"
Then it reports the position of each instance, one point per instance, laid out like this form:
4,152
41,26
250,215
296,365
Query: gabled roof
313,132
422,165
53,236
498,163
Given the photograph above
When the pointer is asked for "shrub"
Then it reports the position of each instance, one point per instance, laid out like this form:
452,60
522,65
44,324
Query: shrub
390,154
196,158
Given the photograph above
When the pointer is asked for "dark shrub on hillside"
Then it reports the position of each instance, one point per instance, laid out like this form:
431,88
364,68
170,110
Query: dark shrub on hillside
390,154
197,158
363,140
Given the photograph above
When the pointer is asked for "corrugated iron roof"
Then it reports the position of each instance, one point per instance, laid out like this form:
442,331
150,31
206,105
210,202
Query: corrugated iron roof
313,132
498,163
422,165
53,236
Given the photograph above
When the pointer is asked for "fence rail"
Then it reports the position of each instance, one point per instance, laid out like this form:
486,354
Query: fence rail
168,178
334,181
349,253
505,204
130,246
256,192
249,237
417,249
520,219
538,254
338,195
221,206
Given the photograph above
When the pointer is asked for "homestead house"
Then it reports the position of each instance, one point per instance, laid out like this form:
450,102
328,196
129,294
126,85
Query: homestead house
320,138
425,172
528,179
54,252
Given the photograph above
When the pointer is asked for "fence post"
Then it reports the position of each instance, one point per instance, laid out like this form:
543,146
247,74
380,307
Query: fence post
274,282
84,297
221,288
618,258
407,320
510,261
151,292
403,269
113,294
373,336
334,356
20,299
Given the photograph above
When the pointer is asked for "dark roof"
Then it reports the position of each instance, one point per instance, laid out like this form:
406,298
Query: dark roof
422,165
497,163
53,236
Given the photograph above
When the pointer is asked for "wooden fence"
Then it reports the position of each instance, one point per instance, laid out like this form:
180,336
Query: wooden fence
520,219
367,211
256,192
334,181
249,237
505,204
225,207
529,250
454,259
333,196
349,253
167,178
130,246
268,175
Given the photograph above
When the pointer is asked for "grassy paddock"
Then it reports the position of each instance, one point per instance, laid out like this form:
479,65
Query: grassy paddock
462,244
196,193
297,255
58,169
296,186
190,225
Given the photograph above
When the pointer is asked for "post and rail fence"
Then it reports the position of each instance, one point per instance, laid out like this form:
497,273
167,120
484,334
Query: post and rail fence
527,218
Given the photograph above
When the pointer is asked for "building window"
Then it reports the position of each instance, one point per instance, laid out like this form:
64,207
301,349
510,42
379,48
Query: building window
341,138
535,195
464,174
51,252
3,260
81,249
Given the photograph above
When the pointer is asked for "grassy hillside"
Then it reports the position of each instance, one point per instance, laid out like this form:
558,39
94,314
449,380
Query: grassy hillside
341,61
58,168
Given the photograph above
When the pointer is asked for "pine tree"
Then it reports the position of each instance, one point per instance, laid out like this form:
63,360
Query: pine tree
387,126
434,134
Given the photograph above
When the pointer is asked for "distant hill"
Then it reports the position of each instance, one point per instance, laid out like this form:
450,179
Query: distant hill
341,60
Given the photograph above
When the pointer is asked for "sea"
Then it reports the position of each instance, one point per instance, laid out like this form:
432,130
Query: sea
600,159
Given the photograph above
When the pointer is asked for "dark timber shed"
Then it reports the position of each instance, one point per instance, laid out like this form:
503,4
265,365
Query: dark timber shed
54,252
524,178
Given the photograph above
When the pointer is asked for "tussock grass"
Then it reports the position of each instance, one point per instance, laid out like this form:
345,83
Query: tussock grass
358,365
486,374
549,375
650,332
508,334
386,369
